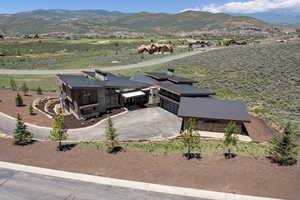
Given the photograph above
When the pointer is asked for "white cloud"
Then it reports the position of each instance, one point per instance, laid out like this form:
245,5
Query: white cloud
252,6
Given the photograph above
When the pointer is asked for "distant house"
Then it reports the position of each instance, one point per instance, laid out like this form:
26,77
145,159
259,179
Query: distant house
96,92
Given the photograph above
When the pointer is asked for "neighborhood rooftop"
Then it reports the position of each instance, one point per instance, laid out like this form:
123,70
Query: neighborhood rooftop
210,108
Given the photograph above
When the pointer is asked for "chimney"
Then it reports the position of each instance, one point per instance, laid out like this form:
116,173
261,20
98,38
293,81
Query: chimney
170,72
100,75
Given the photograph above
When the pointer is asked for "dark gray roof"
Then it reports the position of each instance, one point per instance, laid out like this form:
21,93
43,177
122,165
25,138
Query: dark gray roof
210,108
157,75
89,73
144,79
78,81
185,90
163,76
124,82
177,79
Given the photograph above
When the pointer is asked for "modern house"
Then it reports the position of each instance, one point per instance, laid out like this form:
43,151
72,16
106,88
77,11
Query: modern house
95,92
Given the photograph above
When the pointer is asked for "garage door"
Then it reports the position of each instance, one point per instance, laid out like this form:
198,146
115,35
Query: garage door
169,106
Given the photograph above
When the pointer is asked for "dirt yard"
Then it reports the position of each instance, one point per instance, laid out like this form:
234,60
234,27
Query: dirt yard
8,106
242,175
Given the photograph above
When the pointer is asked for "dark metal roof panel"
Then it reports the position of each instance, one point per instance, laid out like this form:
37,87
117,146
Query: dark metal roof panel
78,81
164,76
185,90
177,79
144,79
210,108
157,75
124,82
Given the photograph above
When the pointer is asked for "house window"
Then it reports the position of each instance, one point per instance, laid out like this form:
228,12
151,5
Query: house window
88,96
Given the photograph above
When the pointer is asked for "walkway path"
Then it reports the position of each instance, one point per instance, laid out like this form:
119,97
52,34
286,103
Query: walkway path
20,182
143,124
113,68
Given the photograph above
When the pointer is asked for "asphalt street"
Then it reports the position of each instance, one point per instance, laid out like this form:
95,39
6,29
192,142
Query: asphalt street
17,185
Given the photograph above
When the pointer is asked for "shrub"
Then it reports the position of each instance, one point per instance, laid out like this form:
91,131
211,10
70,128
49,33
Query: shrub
39,91
21,135
19,100
283,147
30,109
13,84
25,89
230,140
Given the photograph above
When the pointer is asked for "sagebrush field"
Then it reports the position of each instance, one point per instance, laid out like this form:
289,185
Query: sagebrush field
265,76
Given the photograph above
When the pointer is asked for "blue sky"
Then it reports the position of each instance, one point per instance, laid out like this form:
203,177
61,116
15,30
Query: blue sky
170,6
12,6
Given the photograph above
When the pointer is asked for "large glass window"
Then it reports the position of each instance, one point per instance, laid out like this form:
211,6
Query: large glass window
87,97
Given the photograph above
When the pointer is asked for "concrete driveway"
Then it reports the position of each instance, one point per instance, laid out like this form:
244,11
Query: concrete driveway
142,124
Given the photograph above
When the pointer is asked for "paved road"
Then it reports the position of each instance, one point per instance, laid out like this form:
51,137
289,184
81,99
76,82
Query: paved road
133,125
18,185
120,67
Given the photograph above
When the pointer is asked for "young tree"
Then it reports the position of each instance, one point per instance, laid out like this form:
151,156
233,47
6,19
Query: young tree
13,84
111,135
230,139
18,53
59,133
30,109
191,140
39,91
21,135
25,89
19,100
283,147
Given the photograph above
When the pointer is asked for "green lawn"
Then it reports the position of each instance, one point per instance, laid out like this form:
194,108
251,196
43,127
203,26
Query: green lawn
32,81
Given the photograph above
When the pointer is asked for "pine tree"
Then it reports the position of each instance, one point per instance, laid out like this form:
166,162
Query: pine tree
25,89
283,147
59,133
21,135
191,140
19,100
39,91
230,139
13,84
111,135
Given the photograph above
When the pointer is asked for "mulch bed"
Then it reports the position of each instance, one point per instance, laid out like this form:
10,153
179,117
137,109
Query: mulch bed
71,122
259,130
8,106
242,175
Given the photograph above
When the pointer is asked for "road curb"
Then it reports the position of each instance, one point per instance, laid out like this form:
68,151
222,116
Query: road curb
130,184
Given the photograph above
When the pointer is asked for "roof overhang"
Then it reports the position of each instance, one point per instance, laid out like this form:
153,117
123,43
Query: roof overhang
133,94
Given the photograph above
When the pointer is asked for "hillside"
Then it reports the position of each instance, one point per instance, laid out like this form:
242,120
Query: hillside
106,22
265,76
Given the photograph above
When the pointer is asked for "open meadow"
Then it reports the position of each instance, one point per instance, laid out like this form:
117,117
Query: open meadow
72,54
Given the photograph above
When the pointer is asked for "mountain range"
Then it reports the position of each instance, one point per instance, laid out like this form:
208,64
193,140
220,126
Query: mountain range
289,18
112,22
